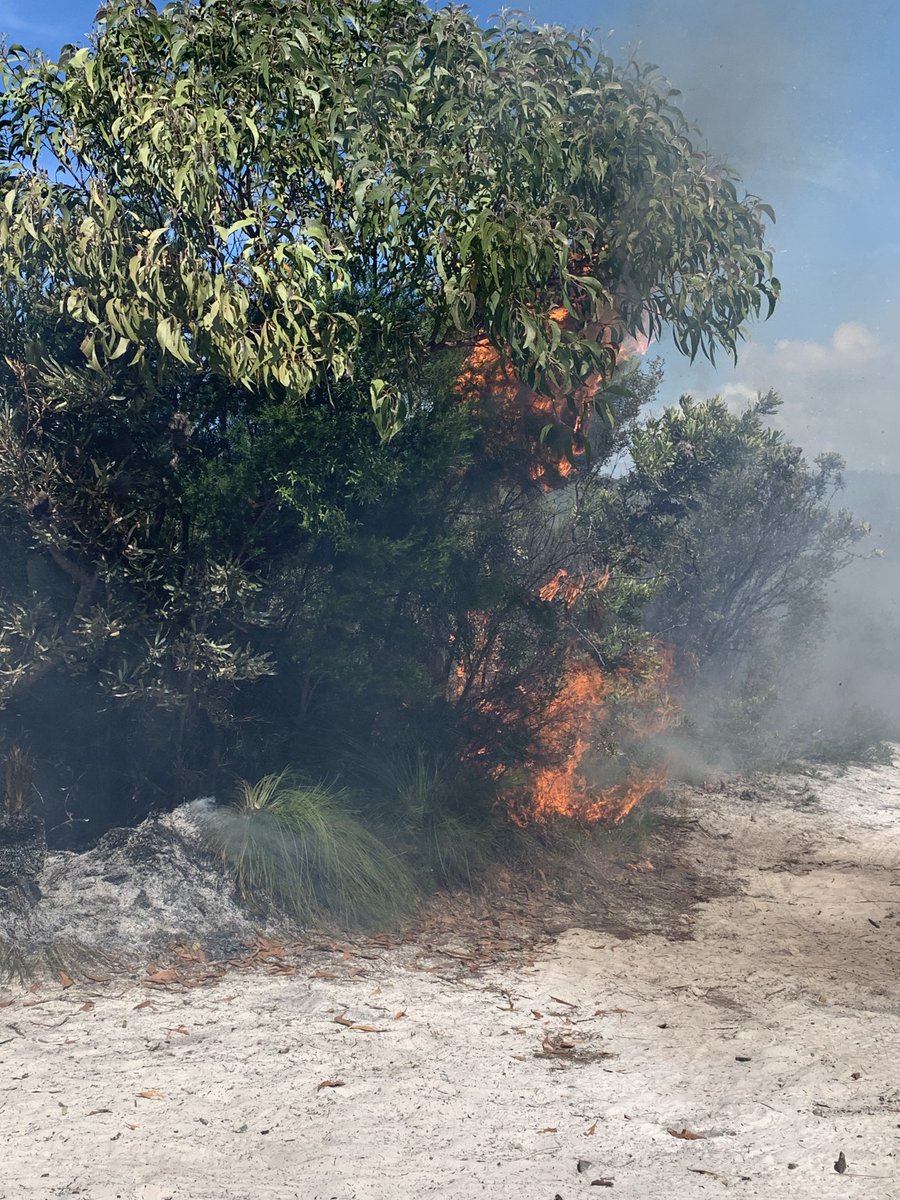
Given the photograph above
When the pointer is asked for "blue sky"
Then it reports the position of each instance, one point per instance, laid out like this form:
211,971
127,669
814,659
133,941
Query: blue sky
802,97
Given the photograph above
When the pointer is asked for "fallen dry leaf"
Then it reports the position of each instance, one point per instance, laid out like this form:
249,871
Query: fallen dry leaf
65,980
87,1006
162,975
144,1004
330,1083
568,1003
95,1111
564,1049
344,1020
267,948
559,1045
686,1135
179,1029
192,954
591,1130
323,974
401,1013
150,1094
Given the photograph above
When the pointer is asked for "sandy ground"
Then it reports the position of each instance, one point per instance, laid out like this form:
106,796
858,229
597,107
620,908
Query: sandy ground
769,1035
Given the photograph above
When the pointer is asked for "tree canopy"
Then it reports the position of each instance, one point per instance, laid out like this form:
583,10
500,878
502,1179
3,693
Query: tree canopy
258,189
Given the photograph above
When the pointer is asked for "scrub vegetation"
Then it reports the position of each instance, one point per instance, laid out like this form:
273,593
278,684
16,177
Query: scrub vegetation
324,450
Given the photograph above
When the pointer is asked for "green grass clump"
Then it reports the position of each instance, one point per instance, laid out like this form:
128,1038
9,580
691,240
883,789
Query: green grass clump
301,846
425,796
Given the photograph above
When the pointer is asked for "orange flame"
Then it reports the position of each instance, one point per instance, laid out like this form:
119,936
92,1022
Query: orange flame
570,588
564,788
568,733
548,433
552,427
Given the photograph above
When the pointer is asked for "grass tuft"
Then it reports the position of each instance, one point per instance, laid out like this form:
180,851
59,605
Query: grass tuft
301,846
449,847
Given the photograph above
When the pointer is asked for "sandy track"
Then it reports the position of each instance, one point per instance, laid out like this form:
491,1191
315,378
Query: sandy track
773,1032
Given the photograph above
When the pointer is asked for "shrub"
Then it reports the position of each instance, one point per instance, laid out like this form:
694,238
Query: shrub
861,735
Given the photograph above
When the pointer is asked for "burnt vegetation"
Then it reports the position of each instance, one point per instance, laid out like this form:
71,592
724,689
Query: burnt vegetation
322,447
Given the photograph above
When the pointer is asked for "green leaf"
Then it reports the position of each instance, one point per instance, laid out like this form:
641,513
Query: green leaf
168,334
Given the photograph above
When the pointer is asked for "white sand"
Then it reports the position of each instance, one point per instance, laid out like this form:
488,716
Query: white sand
450,1099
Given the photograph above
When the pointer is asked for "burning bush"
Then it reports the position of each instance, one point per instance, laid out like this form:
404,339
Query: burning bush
246,518
574,744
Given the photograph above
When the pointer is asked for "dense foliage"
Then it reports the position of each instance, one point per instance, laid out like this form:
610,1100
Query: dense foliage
259,190
743,538
245,251
738,527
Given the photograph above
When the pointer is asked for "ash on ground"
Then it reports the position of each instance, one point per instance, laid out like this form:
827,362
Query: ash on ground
136,893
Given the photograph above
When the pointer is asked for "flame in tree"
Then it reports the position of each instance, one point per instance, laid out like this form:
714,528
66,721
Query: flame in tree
565,769
548,430
566,763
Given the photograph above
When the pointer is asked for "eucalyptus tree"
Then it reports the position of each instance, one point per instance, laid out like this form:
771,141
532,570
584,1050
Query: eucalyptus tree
256,188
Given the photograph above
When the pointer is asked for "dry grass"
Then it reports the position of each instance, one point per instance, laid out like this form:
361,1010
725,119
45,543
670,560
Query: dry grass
72,958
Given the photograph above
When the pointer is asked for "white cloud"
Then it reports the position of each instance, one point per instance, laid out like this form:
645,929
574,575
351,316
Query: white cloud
843,394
